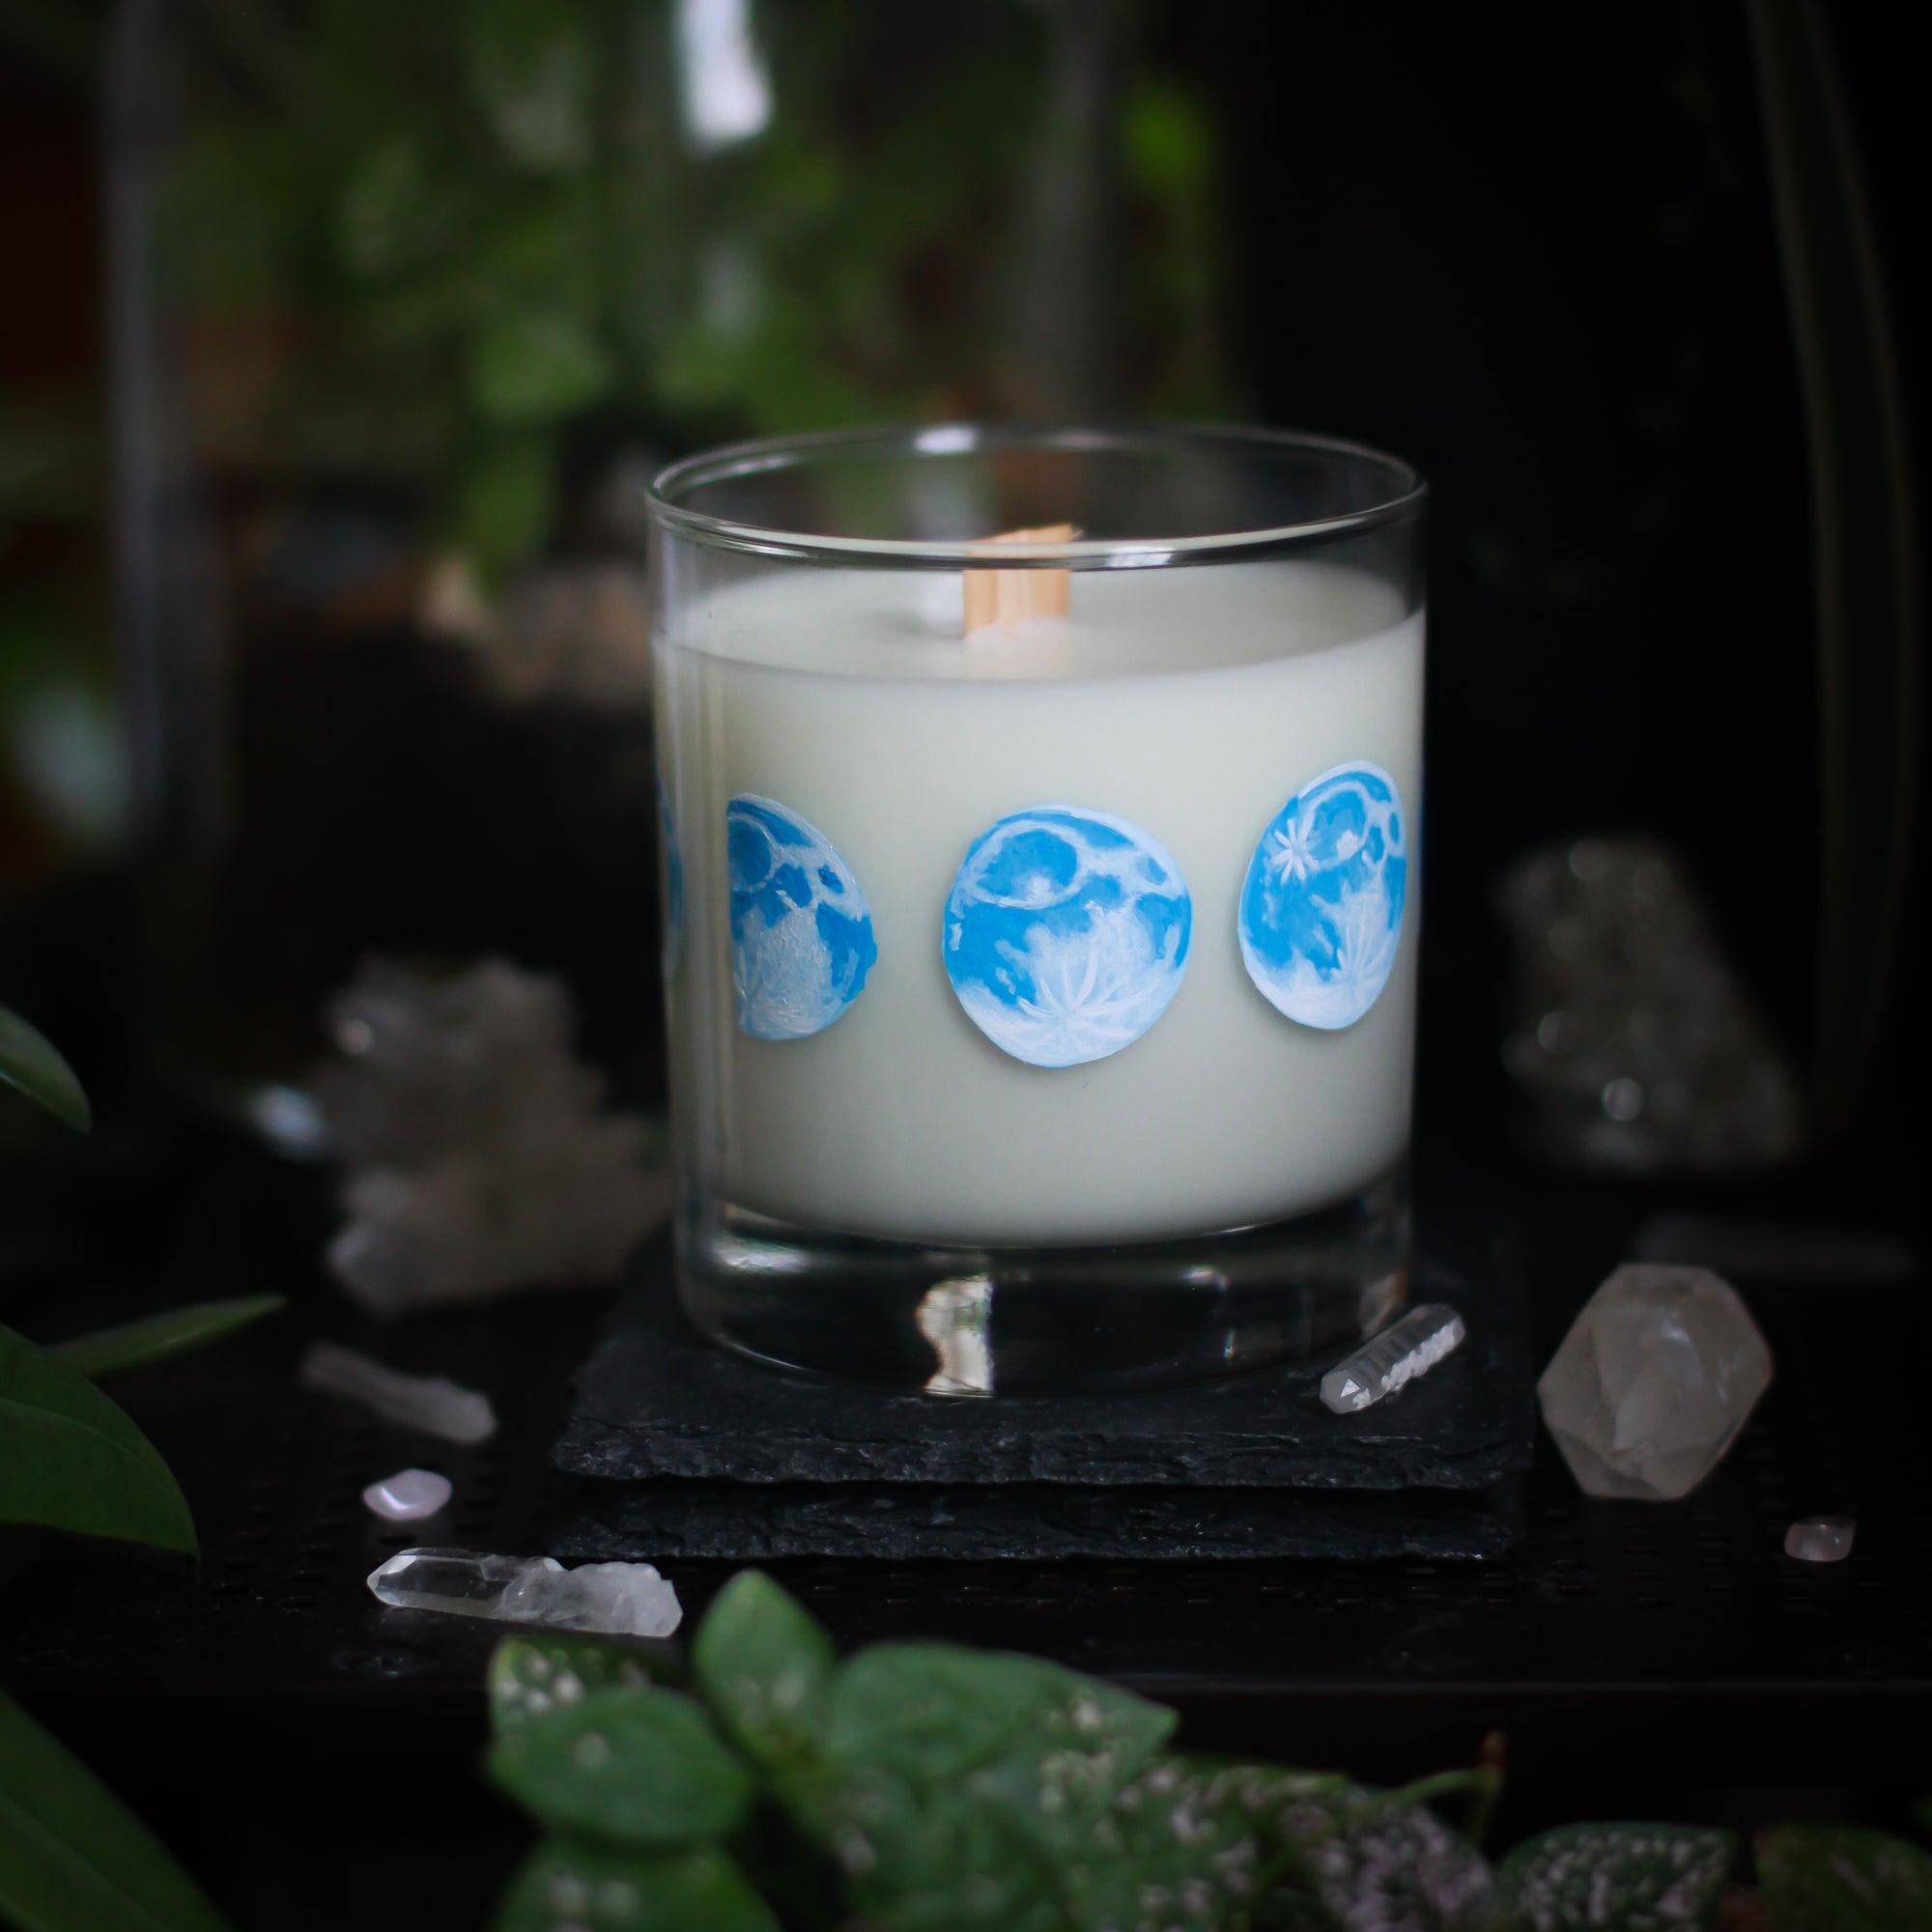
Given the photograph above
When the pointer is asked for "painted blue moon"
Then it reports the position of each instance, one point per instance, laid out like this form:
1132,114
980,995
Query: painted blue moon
1066,934
1320,915
800,930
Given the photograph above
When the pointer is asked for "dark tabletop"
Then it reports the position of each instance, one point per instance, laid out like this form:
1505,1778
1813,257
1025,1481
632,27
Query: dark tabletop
269,1714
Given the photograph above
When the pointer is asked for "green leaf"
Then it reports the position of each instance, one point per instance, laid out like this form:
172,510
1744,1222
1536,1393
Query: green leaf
530,1676
1203,1839
31,1061
1167,139
390,215
1617,1877
764,1666
1838,1878
506,503
70,1459
537,366
935,1712
568,1886
637,1767
160,1338
533,68
72,1858
956,1783
1055,1786
956,1872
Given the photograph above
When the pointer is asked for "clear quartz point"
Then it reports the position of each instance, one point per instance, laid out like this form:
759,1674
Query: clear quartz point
431,1403
611,1599
1401,1351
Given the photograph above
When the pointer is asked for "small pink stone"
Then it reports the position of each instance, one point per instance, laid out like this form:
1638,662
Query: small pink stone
407,1494
1820,1539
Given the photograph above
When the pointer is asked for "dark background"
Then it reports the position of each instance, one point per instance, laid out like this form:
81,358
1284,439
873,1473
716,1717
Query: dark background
1529,248
1533,252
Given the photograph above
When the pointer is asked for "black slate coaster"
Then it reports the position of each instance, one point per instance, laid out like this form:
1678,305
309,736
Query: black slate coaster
745,1522
688,1450
656,1399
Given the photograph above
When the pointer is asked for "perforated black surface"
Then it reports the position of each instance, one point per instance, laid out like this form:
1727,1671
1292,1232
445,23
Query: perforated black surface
1621,1647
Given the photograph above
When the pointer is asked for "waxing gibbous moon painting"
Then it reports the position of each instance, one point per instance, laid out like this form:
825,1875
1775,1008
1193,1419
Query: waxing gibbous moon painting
1321,914
800,930
1066,934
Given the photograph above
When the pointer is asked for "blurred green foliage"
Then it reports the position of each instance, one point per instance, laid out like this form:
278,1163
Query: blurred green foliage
467,254
467,245
60,786
926,1787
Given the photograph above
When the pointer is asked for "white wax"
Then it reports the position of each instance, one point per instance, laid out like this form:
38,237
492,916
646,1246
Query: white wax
1191,702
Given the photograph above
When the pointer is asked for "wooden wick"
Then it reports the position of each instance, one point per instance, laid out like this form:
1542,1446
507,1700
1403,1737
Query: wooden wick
1009,598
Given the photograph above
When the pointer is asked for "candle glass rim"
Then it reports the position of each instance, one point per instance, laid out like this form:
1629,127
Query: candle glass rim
1404,501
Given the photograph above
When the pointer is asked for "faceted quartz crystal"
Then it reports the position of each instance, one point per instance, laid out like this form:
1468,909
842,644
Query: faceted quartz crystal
1401,1351
1653,1382
1820,1539
408,1496
612,1598
431,1403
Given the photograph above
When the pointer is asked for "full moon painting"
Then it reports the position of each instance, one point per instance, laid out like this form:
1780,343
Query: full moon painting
800,930
1321,914
1066,934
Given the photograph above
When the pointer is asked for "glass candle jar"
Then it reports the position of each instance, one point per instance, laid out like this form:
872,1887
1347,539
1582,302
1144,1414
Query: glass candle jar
1040,898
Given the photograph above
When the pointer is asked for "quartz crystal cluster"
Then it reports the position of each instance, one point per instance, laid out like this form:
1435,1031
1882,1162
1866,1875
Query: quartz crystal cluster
478,1159
611,1599
1634,1046
573,631
1653,1383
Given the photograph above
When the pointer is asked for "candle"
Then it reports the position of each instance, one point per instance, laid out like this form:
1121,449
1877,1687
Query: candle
1191,703
1041,907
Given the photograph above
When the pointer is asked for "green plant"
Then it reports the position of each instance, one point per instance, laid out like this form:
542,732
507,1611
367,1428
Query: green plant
72,1859
32,1063
1834,1877
464,233
922,1787
69,1458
